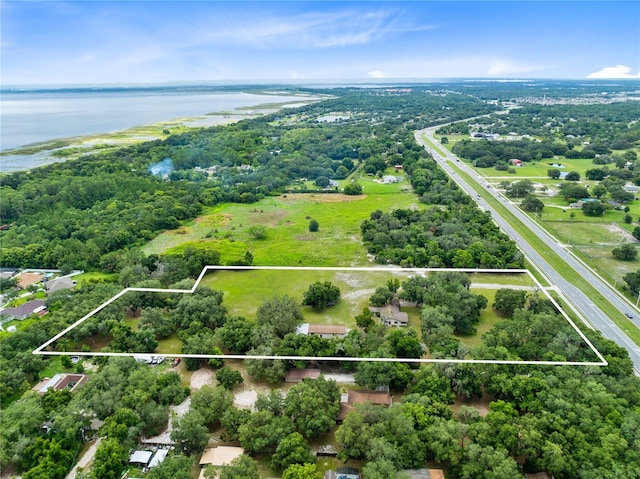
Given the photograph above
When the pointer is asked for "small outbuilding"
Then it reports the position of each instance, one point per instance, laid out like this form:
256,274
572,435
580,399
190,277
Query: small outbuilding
299,375
140,458
158,457
220,456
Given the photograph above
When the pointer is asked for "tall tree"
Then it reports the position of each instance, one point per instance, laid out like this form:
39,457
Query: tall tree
281,313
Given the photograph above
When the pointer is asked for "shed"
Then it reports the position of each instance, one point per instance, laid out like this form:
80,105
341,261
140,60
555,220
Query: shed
158,457
220,456
141,458
299,375
389,179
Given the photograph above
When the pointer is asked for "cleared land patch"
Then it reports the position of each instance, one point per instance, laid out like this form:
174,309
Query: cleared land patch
226,228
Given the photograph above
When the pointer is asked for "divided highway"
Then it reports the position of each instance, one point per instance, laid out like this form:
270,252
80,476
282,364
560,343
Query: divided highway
579,300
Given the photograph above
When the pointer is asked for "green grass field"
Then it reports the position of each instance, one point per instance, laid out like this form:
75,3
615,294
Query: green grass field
245,291
286,219
96,276
488,319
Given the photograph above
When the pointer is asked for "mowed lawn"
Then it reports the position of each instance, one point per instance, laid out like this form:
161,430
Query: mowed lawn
286,218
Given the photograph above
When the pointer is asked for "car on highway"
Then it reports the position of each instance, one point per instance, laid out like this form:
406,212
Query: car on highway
629,315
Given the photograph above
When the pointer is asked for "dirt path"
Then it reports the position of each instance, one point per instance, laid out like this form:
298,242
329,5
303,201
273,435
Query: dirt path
85,460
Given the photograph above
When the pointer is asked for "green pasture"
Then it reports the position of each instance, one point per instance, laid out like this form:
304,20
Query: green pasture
25,299
286,219
583,233
553,213
170,345
538,169
507,279
20,324
488,318
96,277
54,366
245,291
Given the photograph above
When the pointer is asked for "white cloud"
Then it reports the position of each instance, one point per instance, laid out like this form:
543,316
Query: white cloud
376,74
619,71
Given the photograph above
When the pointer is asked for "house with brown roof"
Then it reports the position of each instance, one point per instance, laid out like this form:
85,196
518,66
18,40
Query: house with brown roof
35,306
60,382
353,397
326,331
299,375
27,279
424,473
219,457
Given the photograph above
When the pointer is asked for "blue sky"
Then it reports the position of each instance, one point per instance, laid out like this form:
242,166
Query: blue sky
87,42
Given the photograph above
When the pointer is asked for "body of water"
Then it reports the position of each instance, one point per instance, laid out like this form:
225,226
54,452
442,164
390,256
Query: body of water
28,117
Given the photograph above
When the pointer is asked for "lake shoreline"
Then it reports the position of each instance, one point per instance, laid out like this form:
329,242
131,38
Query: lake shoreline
57,150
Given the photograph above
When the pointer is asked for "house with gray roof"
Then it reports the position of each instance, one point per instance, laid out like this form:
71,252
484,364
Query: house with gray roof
59,284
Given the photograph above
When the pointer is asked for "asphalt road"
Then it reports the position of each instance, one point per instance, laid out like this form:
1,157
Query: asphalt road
580,301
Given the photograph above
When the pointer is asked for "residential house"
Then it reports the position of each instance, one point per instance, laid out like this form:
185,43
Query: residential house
390,315
60,382
59,284
353,397
326,331
35,306
516,162
299,375
27,279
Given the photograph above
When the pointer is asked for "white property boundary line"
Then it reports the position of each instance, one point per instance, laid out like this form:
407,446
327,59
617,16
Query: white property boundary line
602,362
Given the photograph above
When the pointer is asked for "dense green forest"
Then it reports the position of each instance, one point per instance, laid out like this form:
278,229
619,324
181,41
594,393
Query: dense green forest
94,212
